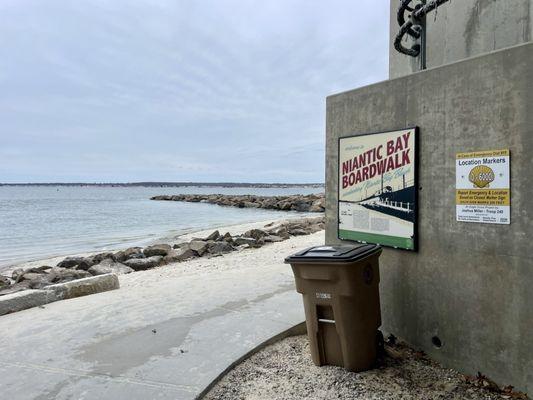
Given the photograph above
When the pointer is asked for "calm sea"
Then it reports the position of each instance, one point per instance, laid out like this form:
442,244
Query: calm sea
46,221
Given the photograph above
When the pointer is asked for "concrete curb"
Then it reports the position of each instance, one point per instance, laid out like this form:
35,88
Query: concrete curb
25,299
298,329
85,286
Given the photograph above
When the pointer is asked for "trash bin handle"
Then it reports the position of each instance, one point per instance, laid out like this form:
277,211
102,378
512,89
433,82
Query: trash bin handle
327,321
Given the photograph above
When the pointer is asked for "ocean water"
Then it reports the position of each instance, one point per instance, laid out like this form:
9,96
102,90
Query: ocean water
38,222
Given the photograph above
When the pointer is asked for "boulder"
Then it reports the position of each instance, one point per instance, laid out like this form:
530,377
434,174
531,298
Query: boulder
27,273
41,269
296,225
269,203
65,275
240,240
273,238
284,205
34,278
141,264
184,245
40,281
4,282
318,205
86,263
314,228
281,232
16,287
109,266
298,232
214,236
300,205
227,237
179,255
198,246
98,258
30,276
70,262
255,233
132,252
136,255
157,250
315,208
17,273
163,197
219,248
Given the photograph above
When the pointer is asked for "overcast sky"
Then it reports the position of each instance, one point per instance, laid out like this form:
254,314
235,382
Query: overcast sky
220,90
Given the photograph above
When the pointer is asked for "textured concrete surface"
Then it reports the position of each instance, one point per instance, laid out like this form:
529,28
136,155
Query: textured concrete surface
465,28
470,284
165,334
85,286
26,299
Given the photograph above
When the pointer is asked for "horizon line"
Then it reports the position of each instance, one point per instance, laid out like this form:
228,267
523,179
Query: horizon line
158,183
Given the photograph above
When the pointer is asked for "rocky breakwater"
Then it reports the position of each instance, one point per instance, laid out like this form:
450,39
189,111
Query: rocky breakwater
302,203
139,259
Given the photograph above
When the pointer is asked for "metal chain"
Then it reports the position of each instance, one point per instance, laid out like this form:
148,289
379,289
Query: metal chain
413,25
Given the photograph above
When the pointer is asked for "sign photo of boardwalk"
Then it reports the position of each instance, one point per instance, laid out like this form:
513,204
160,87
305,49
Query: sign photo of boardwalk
377,188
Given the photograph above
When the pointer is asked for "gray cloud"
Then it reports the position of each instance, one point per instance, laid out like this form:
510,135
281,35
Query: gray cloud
178,90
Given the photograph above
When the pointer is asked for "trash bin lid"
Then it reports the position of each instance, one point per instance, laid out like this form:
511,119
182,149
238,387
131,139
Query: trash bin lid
339,253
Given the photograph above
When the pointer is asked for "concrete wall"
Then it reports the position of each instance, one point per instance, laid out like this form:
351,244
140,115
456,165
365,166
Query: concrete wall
466,28
470,284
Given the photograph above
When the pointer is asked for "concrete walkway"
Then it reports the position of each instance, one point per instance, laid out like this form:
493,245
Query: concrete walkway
166,334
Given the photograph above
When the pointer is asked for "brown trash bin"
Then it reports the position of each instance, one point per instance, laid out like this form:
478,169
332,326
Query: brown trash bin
340,289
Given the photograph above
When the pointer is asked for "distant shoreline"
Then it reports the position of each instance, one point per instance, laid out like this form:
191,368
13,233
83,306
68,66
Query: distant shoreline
175,184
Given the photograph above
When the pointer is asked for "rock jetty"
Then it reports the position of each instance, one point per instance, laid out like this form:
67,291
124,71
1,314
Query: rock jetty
157,255
301,203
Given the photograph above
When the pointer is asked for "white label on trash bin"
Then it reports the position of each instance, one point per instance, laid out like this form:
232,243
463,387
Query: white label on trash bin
323,295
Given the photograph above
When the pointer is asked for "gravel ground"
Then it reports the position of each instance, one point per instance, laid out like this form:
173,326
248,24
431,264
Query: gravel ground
284,371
